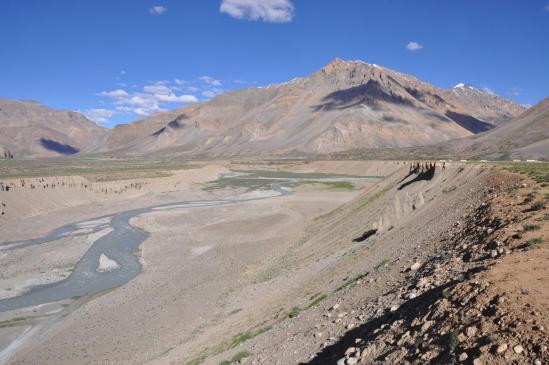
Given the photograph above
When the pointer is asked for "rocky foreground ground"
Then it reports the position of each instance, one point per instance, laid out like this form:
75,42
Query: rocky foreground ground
474,291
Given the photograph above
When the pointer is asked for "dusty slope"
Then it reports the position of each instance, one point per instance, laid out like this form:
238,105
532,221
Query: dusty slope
378,309
30,129
345,105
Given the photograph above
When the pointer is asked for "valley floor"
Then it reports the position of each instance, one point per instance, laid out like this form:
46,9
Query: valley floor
400,269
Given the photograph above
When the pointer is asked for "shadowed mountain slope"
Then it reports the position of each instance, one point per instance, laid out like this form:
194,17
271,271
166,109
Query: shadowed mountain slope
524,137
30,129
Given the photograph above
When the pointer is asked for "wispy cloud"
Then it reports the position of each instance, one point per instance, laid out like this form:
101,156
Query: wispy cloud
114,93
414,46
213,92
514,91
271,11
547,7
99,116
210,80
158,10
156,96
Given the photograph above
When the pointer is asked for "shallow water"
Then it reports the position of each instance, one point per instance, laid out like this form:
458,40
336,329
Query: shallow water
118,245
121,243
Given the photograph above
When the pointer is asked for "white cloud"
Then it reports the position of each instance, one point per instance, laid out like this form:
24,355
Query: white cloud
158,10
547,7
157,89
151,100
99,116
210,80
123,72
271,11
212,92
414,46
114,93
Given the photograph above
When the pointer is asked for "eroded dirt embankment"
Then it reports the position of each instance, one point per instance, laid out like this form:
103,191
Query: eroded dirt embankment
456,273
481,299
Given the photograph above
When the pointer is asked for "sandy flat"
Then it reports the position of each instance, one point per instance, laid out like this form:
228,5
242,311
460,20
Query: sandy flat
210,272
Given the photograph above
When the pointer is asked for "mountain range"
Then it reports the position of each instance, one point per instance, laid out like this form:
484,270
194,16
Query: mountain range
347,105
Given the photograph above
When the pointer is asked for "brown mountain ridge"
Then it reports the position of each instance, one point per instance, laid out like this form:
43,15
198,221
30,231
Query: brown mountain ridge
345,105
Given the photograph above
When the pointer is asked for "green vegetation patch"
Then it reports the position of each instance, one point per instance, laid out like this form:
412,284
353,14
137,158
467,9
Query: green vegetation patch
539,205
14,322
531,227
381,264
529,198
101,169
259,179
349,283
539,171
446,294
533,242
317,300
240,338
197,360
294,312
236,358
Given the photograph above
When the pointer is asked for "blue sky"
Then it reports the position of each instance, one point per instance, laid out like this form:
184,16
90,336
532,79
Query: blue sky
119,60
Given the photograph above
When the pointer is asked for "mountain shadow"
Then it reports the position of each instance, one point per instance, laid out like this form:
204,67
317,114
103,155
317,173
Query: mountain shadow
468,122
370,94
64,149
365,235
174,124
410,310
424,175
177,122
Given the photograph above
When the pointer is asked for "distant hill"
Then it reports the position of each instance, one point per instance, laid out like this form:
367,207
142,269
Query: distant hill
32,130
524,137
346,105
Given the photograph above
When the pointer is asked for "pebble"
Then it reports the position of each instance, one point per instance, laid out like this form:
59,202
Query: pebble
518,349
350,350
422,282
411,295
463,356
471,331
477,361
341,361
537,362
415,266
335,306
501,348
394,308
351,361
